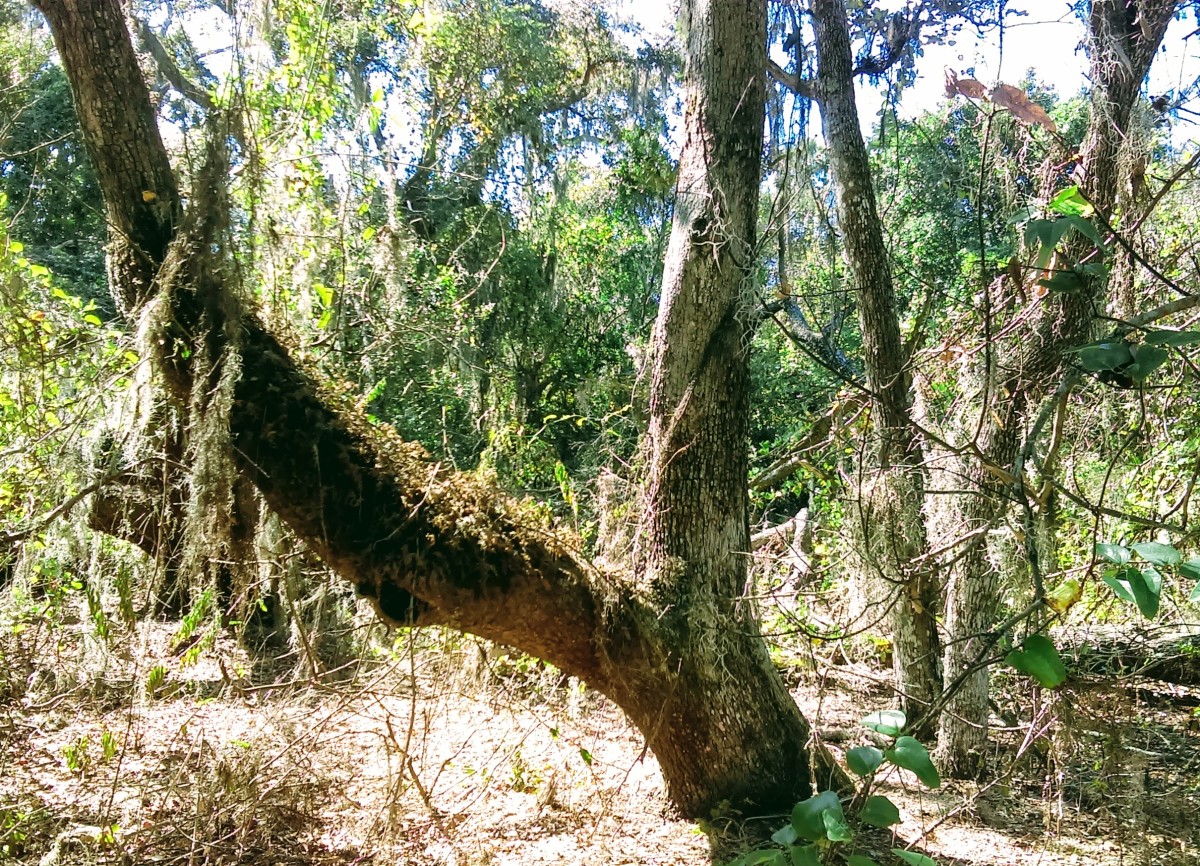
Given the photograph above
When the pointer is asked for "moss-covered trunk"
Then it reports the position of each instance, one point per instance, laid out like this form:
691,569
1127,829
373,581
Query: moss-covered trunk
674,645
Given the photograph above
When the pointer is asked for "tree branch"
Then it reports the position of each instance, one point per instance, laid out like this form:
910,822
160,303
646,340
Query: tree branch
169,69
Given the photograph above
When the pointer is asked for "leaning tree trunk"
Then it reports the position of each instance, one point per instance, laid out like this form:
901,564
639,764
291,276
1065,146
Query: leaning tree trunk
890,502
1121,41
675,646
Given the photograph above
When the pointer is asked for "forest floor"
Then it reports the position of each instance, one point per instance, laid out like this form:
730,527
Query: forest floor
497,760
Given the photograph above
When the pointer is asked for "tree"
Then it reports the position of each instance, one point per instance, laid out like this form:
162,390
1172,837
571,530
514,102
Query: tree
673,642
890,502
1121,46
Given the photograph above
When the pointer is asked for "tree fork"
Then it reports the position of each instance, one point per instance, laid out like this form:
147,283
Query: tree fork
679,649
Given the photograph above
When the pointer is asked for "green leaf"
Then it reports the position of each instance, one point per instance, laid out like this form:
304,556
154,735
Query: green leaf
914,858
805,855
836,828
1194,598
864,760
1086,228
911,755
1191,569
586,755
1147,360
1157,553
1117,554
1105,356
1048,234
1120,586
1142,587
879,812
324,293
860,860
1069,202
1172,338
1038,658
785,835
1148,592
886,722
807,815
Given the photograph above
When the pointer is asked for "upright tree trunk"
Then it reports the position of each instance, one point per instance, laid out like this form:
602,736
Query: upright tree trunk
693,552
142,210
675,646
1122,40
890,501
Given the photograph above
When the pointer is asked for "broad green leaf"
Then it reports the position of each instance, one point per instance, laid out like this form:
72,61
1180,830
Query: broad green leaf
1157,553
911,755
1172,338
1048,233
1147,359
805,855
860,860
879,812
806,816
1116,580
1086,228
1117,554
324,293
864,760
1105,356
1070,202
1194,598
836,828
1142,587
1038,658
914,858
785,835
1191,569
886,722
1148,591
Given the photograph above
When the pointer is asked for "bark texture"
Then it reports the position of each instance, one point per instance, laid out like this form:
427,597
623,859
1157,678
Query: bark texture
890,502
142,208
141,197
676,648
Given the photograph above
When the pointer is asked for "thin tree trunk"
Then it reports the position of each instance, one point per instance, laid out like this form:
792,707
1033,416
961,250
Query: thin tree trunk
890,500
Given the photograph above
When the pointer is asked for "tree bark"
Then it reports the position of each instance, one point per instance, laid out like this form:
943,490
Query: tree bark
677,648
142,209
890,501
141,198
1167,653
1121,42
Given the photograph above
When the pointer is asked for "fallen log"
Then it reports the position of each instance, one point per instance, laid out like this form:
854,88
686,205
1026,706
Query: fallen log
1167,653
